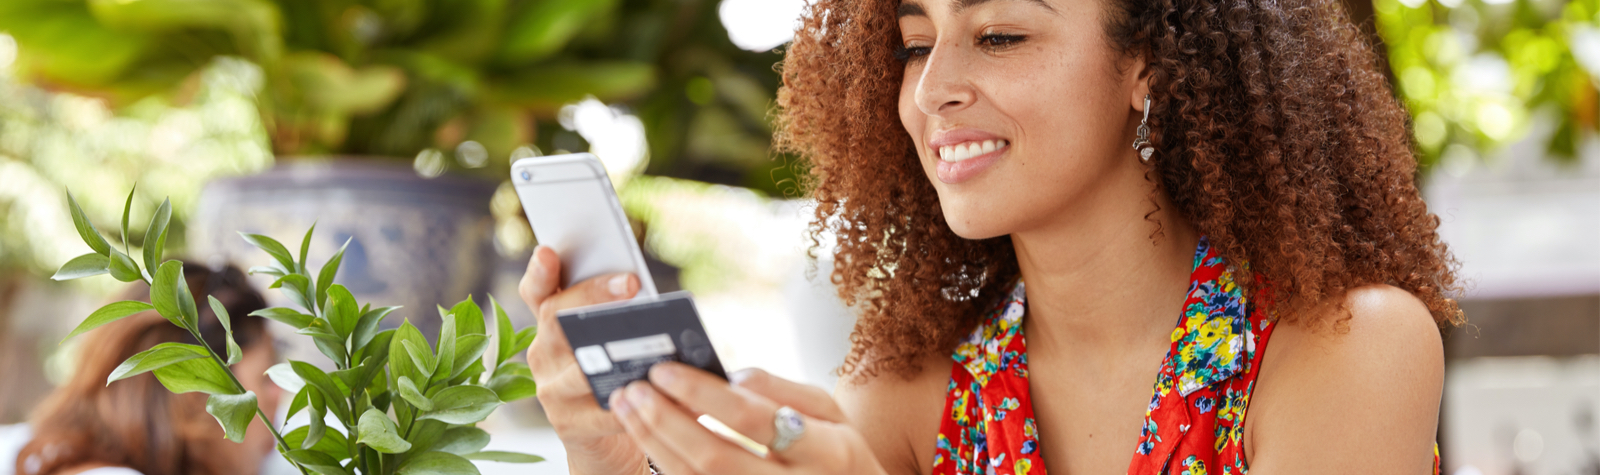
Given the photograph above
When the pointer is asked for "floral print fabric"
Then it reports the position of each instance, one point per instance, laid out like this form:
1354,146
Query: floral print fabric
1195,420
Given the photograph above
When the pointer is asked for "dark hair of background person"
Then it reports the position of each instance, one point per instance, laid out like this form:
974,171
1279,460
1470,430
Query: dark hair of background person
135,422
1277,135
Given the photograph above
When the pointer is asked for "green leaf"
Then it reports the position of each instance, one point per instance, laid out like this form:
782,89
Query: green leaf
540,29
469,350
401,362
234,353
302,398
305,247
126,208
422,357
325,277
320,380
512,387
233,411
286,315
155,236
164,292
86,230
503,335
185,302
462,405
377,347
107,314
437,463
297,288
462,440
469,318
268,270
272,247
524,339
341,311
284,376
446,356
83,266
409,392
380,433
367,325
316,461
319,420
197,375
549,86
504,457
156,357
332,443
123,268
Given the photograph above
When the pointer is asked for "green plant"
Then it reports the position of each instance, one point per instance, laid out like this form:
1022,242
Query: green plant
407,407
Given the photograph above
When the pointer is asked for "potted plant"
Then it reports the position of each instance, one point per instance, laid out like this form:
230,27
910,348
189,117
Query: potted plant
406,406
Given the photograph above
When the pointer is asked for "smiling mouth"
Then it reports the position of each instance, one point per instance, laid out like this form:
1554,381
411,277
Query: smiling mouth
963,151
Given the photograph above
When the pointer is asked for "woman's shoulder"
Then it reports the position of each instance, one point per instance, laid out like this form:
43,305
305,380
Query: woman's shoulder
898,415
1366,386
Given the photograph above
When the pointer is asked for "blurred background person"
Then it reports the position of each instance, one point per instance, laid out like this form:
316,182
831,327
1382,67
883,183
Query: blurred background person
135,426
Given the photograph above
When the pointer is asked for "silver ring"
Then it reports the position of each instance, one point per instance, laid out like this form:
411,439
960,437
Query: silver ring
789,428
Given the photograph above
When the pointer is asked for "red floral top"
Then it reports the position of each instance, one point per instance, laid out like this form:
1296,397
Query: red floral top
1195,420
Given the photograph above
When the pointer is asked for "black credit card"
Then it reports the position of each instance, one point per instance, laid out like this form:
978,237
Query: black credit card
616,344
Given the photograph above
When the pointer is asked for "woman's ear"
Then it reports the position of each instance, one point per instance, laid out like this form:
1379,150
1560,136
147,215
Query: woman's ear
1138,76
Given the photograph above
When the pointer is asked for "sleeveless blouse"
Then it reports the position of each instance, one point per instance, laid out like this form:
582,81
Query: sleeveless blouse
1195,421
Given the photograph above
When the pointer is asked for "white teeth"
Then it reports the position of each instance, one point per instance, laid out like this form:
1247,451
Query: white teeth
956,153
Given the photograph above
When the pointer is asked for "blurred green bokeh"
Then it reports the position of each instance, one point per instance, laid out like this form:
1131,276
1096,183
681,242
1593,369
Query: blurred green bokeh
1476,73
399,77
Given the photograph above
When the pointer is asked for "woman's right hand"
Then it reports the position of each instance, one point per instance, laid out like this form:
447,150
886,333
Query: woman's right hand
595,441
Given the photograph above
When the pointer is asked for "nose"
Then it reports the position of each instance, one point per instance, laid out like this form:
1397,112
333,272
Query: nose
944,87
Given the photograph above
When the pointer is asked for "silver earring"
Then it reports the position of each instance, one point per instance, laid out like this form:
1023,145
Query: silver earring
1142,141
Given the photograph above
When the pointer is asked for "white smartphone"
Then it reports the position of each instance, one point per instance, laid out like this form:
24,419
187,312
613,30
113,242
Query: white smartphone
574,210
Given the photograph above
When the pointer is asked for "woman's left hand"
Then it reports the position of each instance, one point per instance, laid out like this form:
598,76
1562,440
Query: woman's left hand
661,417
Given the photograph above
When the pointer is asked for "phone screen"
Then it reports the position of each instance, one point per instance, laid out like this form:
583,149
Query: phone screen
573,209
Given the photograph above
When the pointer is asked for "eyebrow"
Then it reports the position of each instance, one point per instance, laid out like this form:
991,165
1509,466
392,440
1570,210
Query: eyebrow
911,8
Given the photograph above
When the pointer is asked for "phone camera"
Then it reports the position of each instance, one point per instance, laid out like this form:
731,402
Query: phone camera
526,175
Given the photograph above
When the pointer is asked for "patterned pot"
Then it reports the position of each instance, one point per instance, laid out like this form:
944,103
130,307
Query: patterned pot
416,242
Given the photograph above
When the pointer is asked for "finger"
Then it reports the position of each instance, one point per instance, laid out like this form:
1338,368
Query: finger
601,289
809,400
663,427
541,278
662,457
742,410
572,409
704,393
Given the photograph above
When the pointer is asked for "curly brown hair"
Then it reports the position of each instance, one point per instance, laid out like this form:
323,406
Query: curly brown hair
1282,142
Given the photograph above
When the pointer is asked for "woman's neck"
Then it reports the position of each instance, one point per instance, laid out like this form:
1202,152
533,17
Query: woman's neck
1106,282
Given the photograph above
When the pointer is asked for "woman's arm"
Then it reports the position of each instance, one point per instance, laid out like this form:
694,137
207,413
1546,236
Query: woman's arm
899,417
1362,397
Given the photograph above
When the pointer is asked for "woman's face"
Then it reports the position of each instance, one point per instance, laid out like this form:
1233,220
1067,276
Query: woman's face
1018,108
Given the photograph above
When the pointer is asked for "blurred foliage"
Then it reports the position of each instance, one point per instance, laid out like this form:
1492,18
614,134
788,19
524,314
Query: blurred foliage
1474,73
401,77
51,141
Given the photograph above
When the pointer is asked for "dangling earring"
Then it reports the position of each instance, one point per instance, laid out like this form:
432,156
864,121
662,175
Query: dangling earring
1142,141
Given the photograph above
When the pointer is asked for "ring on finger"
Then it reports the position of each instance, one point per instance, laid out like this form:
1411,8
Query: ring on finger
789,426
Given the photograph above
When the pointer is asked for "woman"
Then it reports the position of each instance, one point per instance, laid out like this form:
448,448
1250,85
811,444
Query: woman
972,165
135,426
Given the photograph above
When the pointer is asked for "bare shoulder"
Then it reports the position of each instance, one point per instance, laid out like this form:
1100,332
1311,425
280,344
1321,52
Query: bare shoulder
1361,393
898,416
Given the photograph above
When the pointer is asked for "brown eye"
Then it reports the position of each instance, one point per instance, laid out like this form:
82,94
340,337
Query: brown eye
996,40
908,53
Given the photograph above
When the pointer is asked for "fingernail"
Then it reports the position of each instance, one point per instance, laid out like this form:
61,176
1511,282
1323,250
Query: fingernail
636,394
538,266
739,376
663,374
619,405
618,285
